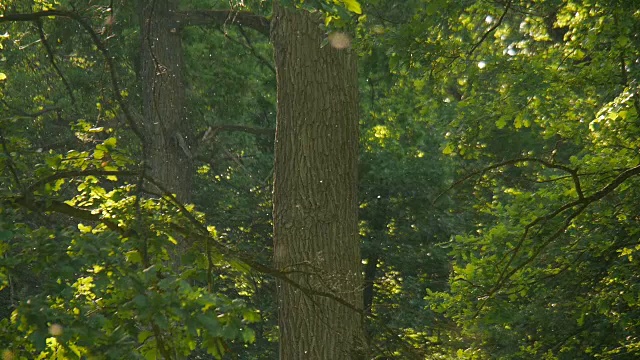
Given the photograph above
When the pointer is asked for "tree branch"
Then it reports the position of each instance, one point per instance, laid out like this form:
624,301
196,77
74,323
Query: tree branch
573,172
23,113
212,131
243,128
222,17
613,185
250,47
45,205
76,173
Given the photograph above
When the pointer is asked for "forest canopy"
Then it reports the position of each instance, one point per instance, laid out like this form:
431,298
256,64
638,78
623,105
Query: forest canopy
326,179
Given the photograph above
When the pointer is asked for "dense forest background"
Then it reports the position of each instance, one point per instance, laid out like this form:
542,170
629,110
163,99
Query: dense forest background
494,213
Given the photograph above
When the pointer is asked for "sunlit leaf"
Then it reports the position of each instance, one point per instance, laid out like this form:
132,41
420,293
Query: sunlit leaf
353,6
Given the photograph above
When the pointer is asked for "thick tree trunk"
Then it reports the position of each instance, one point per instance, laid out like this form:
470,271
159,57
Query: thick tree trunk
165,126
315,202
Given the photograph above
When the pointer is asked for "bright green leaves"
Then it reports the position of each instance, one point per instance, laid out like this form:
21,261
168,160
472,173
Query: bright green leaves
502,121
105,148
3,37
85,274
105,275
110,160
381,136
448,149
616,122
629,252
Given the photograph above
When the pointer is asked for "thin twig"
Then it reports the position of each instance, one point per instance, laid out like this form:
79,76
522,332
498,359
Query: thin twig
52,59
254,52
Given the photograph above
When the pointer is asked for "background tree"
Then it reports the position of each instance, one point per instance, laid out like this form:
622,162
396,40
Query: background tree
166,131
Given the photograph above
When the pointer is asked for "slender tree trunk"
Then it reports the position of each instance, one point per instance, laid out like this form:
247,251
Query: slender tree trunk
315,201
369,282
165,126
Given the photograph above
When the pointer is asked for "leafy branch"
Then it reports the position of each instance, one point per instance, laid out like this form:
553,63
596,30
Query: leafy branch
580,204
491,29
574,174
115,86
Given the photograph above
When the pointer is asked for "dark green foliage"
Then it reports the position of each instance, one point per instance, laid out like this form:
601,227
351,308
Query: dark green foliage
498,184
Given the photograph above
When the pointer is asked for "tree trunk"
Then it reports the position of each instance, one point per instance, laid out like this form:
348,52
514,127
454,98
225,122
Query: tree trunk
315,192
165,126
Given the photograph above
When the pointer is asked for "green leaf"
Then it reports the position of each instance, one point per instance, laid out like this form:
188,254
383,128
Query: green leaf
502,121
6,235
161,321
84,228
143,336
517,122
133,256
623,114
215,347
140,301
353,6
248,335
448,149
251,316
151,354
210,324
54,161
622,41
98,154
110,142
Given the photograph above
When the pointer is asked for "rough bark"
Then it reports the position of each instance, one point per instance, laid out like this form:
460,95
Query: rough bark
315,202
166,130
